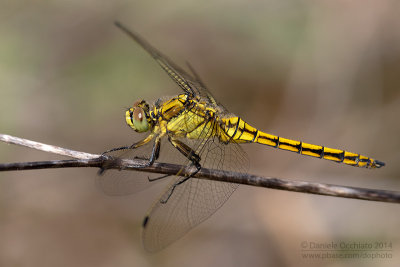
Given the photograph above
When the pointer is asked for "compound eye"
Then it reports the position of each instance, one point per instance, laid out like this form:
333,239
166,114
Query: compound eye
139,120
136,117
138,114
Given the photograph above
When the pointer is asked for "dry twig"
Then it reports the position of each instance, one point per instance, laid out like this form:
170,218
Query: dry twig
82,159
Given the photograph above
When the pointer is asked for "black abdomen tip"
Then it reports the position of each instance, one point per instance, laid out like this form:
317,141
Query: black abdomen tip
379,164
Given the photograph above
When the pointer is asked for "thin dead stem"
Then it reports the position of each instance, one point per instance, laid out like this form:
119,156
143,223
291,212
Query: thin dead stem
83,159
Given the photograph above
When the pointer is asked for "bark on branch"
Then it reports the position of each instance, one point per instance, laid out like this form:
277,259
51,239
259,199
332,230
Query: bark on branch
82,159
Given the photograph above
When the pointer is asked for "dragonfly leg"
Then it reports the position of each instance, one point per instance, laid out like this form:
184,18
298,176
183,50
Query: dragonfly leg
192,156
115,149
155,153
187,152
158,178
164,201
154,156
198,167
133,146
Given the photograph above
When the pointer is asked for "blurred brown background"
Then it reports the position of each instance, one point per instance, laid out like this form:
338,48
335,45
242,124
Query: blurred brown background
322,72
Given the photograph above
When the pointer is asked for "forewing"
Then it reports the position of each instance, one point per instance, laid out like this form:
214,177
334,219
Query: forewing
192,86
176,73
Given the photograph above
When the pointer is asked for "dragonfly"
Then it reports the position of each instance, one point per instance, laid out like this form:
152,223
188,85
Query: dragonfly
207,135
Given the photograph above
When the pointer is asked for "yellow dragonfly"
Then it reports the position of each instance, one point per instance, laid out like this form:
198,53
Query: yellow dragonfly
208,136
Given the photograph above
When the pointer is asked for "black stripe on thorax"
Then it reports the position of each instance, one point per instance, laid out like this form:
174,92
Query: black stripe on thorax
168,109
183,109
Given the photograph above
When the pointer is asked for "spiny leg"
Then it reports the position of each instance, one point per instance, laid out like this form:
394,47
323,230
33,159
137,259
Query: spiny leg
188,153
191,155
133,146
115,149
153,157
155,153
158,178
163,201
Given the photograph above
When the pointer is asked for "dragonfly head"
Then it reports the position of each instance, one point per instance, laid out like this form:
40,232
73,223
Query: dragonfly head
138,118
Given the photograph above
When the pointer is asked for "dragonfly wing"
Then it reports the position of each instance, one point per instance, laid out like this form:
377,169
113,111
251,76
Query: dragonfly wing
192,86
194,200
202,90
115,182
191,203
121,183
175,72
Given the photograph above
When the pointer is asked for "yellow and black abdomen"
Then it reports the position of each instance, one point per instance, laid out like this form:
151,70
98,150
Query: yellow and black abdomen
237,130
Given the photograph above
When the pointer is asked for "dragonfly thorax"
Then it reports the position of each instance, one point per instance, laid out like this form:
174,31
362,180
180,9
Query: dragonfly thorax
138,117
